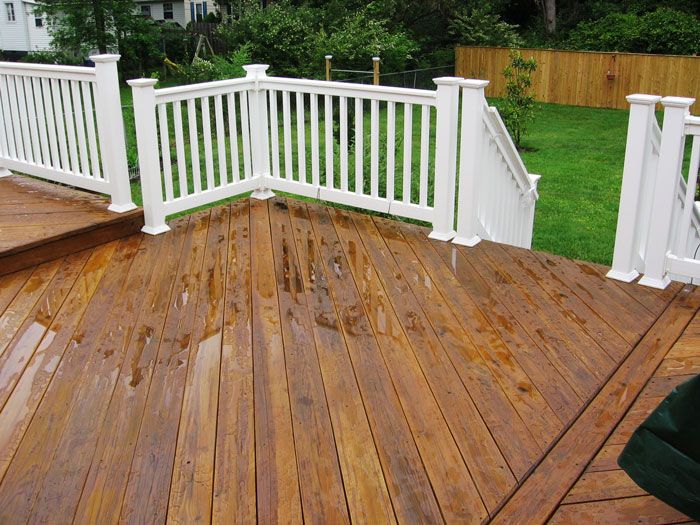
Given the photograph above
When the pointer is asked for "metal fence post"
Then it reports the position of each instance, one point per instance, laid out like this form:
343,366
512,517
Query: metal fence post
149,162
665,188
636,165
259,140
110,126
445,157
473,105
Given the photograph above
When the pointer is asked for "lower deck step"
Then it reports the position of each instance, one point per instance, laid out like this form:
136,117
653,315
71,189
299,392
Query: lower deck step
41,221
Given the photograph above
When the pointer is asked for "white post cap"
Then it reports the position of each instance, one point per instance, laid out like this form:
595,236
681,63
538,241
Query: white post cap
473,83
375,59
447,81
677,102
328,57
102,59
639,98
142,82
256,70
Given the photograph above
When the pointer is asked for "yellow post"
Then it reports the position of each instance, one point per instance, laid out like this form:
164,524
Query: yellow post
376,70
328,66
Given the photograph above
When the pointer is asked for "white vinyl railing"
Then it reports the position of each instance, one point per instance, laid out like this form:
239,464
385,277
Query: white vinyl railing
658,229
64,124
385,149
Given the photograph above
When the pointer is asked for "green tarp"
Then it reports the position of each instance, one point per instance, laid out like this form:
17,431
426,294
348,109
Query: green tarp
663,454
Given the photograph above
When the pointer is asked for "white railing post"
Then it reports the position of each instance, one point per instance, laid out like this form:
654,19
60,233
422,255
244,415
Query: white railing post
259,141
447,105
473,105
149,163
110,126
627,236
665,190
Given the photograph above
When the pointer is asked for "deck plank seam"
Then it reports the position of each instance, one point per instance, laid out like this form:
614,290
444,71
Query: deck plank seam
613,425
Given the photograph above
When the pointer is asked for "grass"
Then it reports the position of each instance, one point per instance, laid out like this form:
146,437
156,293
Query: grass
578,151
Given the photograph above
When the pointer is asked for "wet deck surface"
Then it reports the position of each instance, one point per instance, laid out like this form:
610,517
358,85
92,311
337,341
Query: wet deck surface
287,362
40,221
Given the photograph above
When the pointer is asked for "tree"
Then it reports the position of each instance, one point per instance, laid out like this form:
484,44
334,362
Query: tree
105,25
518,105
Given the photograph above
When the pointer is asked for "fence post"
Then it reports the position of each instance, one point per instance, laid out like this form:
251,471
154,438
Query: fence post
110,126
665,188
636,158
259,141
473,104
149,162
328,67
445,157
375,70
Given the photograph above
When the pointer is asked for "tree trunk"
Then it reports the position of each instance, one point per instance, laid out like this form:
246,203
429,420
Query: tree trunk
550,16
99,15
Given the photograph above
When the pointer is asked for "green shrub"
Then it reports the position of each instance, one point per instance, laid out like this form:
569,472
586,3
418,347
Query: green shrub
479,26
51,57
518,106
354,40
281,35
663,30
216,68
293,39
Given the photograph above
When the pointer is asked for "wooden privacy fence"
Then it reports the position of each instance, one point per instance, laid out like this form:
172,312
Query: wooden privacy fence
584,78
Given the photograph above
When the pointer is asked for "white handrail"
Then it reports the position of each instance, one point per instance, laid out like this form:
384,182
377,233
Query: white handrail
204,142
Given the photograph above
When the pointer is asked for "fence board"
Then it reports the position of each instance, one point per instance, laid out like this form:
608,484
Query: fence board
580,78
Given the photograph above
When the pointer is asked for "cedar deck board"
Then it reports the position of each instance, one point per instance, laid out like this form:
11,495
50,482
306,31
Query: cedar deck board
41,221
604,492
260,320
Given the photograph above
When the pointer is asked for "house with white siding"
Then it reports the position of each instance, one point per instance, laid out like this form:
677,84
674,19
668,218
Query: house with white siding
21,29
182,12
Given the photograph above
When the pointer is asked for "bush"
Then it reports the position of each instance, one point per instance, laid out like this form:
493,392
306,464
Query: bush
664,30
479,26
293,39
518,105
215,68
357,38
51,57
281,35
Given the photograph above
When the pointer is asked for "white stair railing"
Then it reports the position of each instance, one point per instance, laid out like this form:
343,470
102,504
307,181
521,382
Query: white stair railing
658,230
497,195
371,147
64,124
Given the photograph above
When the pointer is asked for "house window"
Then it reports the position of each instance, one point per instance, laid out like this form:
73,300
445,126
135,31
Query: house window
38,21
168,11
198,12
146,10
10,8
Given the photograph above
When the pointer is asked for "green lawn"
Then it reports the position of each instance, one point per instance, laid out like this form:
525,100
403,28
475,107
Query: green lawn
580,154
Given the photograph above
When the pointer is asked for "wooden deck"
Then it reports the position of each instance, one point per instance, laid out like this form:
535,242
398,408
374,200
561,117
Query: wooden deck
604,492
284,361
40,221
